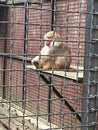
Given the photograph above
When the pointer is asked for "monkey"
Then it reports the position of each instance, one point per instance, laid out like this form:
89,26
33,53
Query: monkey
55,53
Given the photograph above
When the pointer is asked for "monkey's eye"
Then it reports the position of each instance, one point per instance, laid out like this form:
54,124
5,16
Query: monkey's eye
49,39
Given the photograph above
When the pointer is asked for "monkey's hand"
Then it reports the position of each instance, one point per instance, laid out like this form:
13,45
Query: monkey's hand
35,62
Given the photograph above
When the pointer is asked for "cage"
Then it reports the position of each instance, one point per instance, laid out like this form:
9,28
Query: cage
37,99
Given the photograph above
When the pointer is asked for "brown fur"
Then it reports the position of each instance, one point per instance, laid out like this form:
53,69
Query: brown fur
55,54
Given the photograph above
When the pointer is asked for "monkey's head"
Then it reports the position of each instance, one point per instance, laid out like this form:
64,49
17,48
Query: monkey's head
52,39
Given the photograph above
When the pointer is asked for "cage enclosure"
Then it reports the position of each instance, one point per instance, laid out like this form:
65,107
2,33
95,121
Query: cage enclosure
51,99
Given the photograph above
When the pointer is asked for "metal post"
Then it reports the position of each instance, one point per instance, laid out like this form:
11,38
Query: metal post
25,51
90,72
52,14
49,98
4,49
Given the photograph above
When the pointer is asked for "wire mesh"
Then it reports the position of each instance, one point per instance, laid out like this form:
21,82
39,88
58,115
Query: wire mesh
38,100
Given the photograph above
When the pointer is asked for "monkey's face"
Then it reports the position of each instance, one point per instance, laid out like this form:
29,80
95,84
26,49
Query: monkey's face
48,41
52,39
51,42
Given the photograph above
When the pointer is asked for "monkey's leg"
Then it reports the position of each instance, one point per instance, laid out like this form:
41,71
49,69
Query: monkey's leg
62,63
46,64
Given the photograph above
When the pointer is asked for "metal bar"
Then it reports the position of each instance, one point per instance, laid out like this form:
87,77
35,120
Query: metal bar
86,66
49,99
61,97
92,102
52,14
4,50
89,107
25,52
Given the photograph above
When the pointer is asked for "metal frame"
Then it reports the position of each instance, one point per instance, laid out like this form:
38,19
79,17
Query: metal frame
25,52
5,8
52,14
90,88
90,80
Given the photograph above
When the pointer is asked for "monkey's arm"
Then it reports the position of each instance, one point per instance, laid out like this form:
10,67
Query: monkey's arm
35,62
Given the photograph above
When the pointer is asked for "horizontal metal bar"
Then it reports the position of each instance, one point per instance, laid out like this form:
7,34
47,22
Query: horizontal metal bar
15,56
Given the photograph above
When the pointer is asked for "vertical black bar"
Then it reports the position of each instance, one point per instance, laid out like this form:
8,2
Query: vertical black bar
49,98
52,14
93,91
5,42
25,52
90,73
86,66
